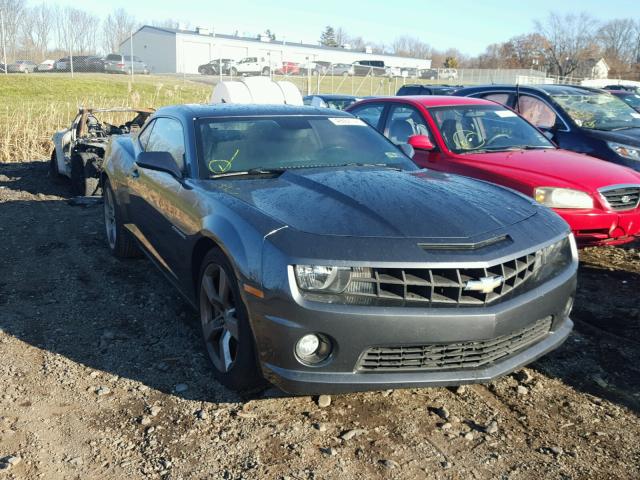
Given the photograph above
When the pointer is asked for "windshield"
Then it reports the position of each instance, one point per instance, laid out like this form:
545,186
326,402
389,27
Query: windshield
230,145
598,111
480,128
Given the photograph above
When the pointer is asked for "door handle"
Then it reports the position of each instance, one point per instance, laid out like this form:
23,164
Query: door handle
135,173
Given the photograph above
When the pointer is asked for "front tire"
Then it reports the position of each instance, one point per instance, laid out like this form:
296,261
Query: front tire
225,326
120,242
233,72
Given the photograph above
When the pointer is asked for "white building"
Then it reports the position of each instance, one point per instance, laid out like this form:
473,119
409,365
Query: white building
168,50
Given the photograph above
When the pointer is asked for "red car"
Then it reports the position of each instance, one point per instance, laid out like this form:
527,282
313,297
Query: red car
485,140
288,68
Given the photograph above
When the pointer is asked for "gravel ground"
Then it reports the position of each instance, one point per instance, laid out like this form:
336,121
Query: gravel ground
103,375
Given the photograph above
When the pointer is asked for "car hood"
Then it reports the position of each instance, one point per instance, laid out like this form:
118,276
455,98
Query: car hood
628,137
374,202
555,168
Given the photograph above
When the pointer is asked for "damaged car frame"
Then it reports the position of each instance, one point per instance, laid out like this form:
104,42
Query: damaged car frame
322,259
78,151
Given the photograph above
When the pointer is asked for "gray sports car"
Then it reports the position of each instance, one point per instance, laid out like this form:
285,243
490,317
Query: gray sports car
323,260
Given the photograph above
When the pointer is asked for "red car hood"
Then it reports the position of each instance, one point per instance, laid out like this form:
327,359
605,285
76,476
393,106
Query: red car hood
555,168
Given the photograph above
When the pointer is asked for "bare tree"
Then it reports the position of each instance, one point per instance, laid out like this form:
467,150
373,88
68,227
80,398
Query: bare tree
76,30
116,28
617,39
570,40
407,46
13,15
35,30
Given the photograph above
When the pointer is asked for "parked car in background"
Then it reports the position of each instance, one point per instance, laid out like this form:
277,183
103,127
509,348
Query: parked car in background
80,63
3,68
419,89
323,260
369,68
631,98
214,66
341,69
116,63
429,73
484,140
626,88
252,66
22,66
288,68
46,66
582,119
337,102
78,151
448,73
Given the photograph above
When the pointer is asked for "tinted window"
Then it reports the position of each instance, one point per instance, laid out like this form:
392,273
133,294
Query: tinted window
597,111
480,128
632,99
409,91
167,136
112,57
405,121
536,111
369,113
235,145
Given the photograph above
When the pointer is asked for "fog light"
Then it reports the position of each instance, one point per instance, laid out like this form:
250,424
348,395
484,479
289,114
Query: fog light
307,345
313,348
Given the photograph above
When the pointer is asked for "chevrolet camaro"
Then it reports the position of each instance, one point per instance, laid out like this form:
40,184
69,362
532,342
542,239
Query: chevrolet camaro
321,259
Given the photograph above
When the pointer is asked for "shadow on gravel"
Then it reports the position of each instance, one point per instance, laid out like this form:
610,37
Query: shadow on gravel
603,357
32,178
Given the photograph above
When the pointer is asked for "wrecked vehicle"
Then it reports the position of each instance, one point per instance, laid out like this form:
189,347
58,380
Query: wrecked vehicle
323,260
78,151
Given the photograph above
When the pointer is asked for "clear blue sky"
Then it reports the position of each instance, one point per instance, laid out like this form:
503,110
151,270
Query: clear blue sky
469,25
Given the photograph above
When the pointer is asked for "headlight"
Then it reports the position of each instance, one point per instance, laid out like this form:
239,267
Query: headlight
318,278
625,151
563,197
556,257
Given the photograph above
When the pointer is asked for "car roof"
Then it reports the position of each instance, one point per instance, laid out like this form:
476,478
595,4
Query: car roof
245,110
432,100
549,89
333,96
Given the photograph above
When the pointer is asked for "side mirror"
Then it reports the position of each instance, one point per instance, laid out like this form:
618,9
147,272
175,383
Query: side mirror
421,142
547,132
159,161
407,149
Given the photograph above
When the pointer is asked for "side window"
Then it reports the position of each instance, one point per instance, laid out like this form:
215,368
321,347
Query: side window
370,113
501,98
167,136
405,121
536,111
143,137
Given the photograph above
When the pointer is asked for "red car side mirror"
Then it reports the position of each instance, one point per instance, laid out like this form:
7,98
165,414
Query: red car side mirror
421,142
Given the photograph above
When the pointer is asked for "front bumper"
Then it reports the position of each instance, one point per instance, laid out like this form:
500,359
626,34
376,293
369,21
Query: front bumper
597,227
278,323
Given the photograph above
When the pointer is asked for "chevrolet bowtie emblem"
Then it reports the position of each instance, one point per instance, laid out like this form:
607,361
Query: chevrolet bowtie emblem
484,284
626,198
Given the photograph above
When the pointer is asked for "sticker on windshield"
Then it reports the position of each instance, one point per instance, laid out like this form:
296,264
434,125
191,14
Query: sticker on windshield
635,115
505,113
393,155
347,122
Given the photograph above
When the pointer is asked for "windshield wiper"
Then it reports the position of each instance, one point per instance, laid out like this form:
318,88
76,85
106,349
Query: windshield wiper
250,172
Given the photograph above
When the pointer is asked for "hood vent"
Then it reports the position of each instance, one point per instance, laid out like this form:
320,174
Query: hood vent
465,245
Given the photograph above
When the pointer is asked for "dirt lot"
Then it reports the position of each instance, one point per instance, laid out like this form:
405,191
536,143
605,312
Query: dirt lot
102,375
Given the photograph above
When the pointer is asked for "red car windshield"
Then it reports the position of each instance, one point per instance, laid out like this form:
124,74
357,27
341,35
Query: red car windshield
486,128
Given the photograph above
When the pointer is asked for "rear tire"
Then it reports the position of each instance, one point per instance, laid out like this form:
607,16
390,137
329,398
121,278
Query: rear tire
225,326
119,239
265,71
81,183
233,72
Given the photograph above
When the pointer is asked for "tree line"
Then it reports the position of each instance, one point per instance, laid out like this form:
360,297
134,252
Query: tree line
561,45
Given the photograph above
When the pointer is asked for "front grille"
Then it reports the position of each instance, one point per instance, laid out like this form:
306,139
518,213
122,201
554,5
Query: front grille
448,286
625,197
462,355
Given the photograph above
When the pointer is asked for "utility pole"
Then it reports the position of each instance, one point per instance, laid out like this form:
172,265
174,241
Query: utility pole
4,45
70,49
131,52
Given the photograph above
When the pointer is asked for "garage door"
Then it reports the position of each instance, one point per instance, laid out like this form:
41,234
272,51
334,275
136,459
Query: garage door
194,54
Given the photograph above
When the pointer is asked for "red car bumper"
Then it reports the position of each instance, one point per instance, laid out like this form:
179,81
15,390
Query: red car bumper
595,227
